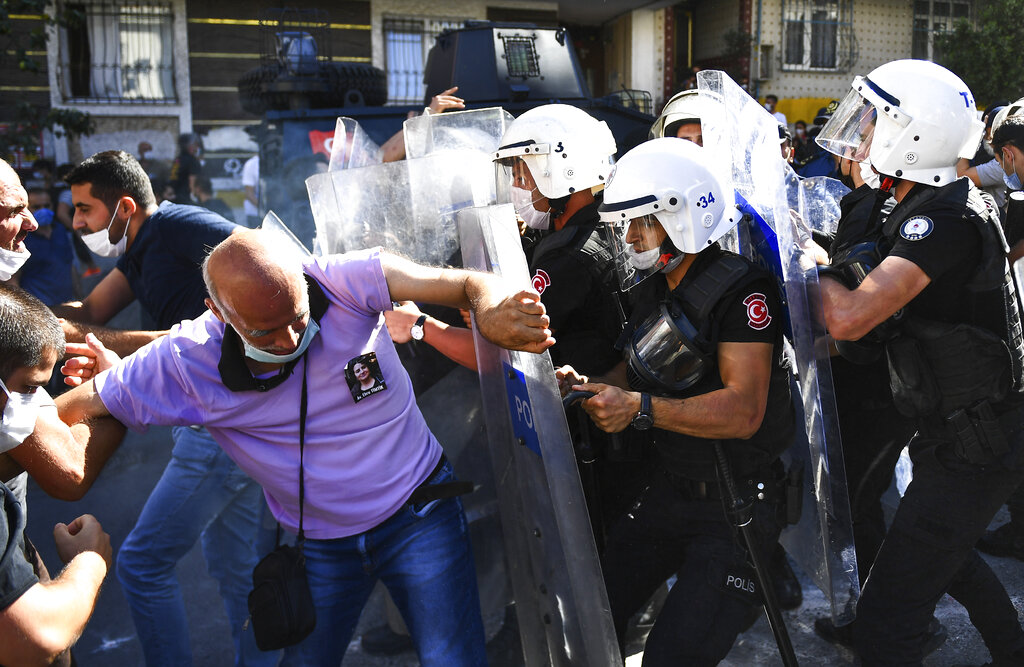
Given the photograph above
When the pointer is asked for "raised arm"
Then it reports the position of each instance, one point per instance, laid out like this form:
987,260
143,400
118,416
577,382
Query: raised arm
393,149
66,459
109,298
49,617
456,343
514,320
850,314
122,342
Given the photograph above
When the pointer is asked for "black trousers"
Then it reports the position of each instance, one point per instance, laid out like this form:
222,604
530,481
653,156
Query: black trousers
715,597
873,435
929,551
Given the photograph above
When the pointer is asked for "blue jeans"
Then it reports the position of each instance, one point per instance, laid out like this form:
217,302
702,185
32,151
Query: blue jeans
422,554
201,492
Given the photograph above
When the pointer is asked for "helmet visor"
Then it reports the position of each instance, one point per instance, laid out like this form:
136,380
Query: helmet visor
641,256
849,132
663,351
512,174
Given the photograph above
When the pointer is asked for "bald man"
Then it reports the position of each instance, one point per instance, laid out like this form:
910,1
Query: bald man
16,222
280,349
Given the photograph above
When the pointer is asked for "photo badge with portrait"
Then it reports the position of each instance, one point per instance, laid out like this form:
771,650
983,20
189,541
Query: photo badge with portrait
364,377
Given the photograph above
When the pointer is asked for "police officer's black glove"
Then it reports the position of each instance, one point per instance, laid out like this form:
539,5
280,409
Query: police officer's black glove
853,265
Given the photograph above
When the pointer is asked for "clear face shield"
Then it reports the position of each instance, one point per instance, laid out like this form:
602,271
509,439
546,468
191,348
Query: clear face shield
637,246
849,132
516,185
664,352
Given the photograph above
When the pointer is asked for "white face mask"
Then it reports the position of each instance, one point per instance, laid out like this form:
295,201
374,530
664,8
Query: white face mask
265,357
869,176
523,201
99,242
643,260
19,417
10,262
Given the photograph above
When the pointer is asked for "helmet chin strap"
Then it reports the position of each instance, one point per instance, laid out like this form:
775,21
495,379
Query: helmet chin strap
670,257
888,183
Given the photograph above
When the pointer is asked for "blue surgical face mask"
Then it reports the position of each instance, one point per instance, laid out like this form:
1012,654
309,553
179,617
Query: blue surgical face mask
1012,180
265,357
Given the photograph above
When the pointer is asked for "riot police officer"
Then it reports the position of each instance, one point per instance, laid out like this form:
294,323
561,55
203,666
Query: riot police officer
705,367
681,118
942,300
557,159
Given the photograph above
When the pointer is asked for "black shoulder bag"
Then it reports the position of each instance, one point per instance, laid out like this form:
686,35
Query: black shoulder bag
280,604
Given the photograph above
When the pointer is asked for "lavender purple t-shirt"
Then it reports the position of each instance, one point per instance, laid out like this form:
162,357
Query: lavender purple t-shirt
362,459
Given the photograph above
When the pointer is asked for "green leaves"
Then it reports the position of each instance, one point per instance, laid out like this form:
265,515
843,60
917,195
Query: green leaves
987,57
20,43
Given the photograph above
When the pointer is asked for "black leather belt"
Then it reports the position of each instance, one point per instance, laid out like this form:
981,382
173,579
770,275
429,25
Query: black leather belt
693,489
426,492
761,486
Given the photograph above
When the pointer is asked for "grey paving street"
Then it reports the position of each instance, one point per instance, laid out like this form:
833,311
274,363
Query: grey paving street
118,496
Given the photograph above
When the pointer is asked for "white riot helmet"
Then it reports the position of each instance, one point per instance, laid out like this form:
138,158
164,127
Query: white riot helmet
684,107
911,118
668,181
566,149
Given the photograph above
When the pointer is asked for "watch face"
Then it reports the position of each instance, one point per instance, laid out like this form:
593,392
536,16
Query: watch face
416,332
642,422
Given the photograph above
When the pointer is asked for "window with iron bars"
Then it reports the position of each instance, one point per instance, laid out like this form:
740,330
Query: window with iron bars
407,41
934,18
119,52
817,35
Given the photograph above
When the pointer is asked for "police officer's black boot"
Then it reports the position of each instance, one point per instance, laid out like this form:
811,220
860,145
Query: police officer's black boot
788,590
843,634
1008,539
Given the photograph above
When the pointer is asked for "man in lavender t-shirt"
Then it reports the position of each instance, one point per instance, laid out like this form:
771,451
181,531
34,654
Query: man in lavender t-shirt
278,324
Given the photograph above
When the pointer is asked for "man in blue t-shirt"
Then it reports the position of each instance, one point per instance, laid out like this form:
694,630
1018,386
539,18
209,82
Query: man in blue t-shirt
47,273
201,492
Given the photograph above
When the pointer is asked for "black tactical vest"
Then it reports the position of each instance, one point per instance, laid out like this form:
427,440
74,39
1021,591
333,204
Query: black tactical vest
714,279
591,334
937,368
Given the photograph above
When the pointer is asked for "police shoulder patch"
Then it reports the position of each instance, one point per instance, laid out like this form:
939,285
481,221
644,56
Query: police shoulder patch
758,316
917,228
541,281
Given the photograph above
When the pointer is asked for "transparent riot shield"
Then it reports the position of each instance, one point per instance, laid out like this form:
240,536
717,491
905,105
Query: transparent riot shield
406,207
271,221
453,410
477,129
778,211
561,604
1018,276
352,147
